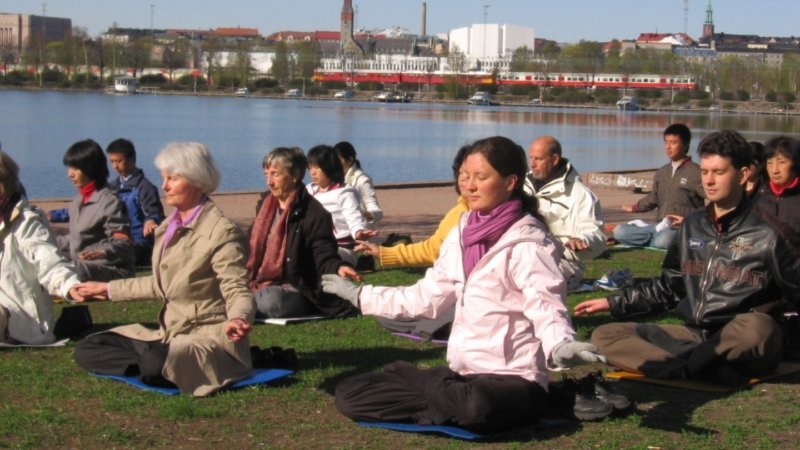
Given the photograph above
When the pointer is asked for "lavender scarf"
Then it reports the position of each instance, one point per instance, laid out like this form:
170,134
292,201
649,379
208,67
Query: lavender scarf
484,230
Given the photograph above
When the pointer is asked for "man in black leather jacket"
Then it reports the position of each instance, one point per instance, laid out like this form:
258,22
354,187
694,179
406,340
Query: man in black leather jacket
728,274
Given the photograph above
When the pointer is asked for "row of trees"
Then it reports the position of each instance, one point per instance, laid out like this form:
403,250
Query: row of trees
724,75
296,62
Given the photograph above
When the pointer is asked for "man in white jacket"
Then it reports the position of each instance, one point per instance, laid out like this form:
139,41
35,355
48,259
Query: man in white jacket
571,210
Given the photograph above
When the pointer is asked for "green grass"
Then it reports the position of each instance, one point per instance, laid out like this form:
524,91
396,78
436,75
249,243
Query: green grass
46,400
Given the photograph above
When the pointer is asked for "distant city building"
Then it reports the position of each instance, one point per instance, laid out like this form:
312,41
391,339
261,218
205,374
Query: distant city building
491,41
18,32
349,46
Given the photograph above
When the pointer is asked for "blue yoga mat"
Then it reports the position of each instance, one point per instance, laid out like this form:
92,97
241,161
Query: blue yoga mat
259,376
456,432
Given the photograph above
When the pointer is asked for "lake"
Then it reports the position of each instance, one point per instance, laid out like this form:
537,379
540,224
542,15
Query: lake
395,142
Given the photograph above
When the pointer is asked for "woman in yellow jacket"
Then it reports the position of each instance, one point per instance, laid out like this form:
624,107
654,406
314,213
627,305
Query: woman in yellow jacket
422,253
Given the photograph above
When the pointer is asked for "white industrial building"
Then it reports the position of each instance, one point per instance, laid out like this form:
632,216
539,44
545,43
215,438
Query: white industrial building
490,41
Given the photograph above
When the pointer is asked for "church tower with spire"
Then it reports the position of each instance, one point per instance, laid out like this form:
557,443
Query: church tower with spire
708,26
347,44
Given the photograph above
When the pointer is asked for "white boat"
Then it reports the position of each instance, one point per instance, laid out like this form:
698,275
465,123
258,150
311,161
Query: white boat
242,92
628,103
124,85
480,98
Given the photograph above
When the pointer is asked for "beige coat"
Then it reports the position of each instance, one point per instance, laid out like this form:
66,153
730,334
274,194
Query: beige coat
202,281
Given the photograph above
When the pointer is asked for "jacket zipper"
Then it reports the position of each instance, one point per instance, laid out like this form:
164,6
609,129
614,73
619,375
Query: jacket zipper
706,277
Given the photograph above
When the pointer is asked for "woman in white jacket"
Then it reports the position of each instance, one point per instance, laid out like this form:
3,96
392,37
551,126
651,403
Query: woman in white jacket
356,177
328,187
499,269
32,267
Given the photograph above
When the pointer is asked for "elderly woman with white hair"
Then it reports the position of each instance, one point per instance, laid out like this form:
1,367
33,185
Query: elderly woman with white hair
199,273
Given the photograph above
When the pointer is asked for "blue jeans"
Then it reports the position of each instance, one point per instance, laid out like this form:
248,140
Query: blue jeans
646,236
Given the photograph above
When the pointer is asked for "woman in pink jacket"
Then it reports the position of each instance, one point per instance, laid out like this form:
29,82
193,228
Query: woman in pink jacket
499,269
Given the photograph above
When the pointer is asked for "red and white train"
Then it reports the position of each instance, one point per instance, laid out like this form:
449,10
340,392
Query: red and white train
574,80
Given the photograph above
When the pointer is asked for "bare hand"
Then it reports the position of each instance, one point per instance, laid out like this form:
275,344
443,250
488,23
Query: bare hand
237,328
674,220
75,295
576,244
149,227
368,248
592,306
92,254
365,234
92,289
628,208
348,272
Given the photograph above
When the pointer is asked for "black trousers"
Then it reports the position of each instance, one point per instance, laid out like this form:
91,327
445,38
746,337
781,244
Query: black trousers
439,396
114,354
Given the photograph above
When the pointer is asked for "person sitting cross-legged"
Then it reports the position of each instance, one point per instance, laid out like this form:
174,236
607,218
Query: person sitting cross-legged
728,274
677,191
499,269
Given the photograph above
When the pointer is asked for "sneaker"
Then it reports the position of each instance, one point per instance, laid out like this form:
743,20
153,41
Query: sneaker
588,406
615,279
604,392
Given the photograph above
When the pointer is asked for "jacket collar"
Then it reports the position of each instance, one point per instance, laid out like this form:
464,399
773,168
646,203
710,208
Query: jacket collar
563,175
731,220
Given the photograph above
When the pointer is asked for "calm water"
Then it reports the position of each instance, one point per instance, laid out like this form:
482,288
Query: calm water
395,143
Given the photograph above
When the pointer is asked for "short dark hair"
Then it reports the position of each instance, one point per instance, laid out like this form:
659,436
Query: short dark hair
785,146
727,144
326,158
458,161
757,150
682,131
123,147
348,152
87,155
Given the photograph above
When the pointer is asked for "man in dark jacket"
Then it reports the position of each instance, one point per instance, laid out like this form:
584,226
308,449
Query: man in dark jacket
677,191
139,195
728,274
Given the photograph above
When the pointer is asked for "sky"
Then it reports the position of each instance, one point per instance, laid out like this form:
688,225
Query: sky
559,20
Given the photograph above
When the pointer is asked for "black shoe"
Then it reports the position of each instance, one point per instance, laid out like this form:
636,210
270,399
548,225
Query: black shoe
394,239
604,392
588,406
365,263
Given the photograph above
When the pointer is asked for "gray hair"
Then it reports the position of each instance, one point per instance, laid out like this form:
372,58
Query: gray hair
291,158
191,160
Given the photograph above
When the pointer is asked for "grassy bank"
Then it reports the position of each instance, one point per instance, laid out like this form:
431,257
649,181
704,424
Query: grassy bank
46,401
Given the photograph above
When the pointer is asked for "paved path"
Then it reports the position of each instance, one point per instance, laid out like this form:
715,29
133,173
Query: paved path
411,208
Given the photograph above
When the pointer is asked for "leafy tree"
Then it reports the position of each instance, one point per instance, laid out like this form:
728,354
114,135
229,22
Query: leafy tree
457,60
281,68
523,60
309,58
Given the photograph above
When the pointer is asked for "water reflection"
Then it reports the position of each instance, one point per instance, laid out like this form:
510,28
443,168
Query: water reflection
395,142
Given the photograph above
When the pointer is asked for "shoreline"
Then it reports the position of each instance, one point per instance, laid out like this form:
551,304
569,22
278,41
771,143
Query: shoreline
430,98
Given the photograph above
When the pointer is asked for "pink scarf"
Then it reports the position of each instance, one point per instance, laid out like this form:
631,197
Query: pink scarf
484,230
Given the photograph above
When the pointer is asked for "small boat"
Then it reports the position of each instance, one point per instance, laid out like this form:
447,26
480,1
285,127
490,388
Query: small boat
628,103
242,92
392,97
480,98
123,85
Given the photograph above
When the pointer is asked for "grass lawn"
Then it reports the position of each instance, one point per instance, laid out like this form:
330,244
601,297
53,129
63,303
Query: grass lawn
46,401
